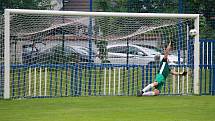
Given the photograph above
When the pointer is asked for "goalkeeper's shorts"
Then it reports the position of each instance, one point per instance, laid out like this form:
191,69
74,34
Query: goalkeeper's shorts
161,80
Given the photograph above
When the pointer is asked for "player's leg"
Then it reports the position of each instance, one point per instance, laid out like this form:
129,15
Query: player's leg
158,84
151,93
154,84
158,79
156,91
150,86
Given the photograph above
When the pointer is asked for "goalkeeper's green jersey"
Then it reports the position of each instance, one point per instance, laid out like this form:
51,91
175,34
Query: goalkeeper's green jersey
164,68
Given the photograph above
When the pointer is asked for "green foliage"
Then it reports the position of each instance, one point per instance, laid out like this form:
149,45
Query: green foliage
24,4
153,6
101,5
207,11
205,29
113,6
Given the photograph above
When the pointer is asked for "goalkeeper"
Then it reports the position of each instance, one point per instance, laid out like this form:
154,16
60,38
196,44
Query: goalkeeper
160,78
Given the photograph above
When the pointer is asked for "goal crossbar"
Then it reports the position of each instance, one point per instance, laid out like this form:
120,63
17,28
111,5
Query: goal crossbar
112,14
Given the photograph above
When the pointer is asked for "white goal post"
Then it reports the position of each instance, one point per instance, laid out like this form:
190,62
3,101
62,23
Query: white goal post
7,33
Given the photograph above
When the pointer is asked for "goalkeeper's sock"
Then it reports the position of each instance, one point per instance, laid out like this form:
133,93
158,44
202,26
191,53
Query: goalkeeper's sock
148,87
150,93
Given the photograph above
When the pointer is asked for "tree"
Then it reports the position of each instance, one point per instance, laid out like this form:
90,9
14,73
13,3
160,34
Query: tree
25,4
110,6
207,18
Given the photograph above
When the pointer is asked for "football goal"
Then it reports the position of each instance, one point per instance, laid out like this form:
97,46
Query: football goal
72,53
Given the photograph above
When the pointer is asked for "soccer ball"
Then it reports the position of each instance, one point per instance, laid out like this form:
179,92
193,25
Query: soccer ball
193,32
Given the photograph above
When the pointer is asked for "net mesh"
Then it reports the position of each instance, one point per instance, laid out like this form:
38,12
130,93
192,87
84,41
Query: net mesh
79,55
1,55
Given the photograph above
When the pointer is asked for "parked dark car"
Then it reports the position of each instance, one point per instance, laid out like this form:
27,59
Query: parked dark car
57,55
30,53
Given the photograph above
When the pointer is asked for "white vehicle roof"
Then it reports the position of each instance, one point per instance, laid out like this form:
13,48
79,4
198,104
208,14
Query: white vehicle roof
146,50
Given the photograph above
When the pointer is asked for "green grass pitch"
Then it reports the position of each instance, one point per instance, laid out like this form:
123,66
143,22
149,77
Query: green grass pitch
110,108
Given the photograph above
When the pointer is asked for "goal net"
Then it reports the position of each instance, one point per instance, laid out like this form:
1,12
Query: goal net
67,53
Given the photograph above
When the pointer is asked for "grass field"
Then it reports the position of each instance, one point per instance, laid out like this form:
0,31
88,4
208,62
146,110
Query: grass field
160,108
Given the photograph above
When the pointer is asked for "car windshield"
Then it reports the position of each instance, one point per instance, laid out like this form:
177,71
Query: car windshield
29,49
158,49
82,50
151,51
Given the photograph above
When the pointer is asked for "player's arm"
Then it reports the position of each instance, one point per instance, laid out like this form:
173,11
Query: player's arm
173,72
166,51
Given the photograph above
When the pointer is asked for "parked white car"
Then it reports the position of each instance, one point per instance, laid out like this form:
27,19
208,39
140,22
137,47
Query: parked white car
117,54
